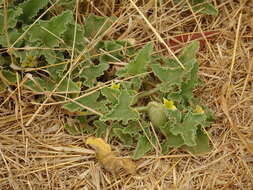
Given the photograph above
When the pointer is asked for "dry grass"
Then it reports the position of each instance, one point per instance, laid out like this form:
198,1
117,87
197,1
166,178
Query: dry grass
42,156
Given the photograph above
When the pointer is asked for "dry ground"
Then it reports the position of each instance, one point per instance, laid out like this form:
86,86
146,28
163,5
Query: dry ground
43,156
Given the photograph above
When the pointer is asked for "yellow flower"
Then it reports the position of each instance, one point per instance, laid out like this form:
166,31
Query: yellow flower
30,61
115,86
79,84
199,109
169,104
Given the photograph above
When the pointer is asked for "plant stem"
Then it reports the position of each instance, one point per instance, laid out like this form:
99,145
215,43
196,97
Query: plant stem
141,108
146,93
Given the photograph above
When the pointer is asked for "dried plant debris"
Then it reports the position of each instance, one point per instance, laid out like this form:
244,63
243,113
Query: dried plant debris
108,158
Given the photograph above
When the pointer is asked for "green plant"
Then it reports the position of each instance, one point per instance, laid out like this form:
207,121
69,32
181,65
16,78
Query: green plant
202,6
123,101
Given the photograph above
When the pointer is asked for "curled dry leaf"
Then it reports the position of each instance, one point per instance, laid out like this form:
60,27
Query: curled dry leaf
108,159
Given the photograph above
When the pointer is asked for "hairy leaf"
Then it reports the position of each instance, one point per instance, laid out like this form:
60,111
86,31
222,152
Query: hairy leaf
69,36
122,110
111,50
139,64
88,101
100,128
202,141
31,9
52,57
136,83
13,35
44,84
49,32
39,85
96,25
206,8
188,85
174,115
168,75
3,86
202,6
171,141
174,141
189,52
132,128
172,74
28,58
126,139
12,15
72,130
8,77
111,94
188,128
143,146
68,85
92,72
67,4
196,1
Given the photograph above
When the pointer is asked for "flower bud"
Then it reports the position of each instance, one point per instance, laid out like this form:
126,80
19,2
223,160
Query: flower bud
157,114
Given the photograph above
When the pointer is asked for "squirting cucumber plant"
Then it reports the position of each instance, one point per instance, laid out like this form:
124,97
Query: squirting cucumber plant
127,102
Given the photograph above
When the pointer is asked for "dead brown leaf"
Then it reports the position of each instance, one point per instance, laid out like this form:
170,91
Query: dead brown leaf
108,158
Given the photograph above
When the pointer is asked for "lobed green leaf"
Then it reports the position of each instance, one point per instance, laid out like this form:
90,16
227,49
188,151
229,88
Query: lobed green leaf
101,128
96,25
111,94
9,76
206,8
12,15
39,84
122,110
143,146
125,138
139,64
169,75
72,130
174,141
188,128
202,6
202,142
30,9
88,101
49,32
132,128
69,36
189,52
92,72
